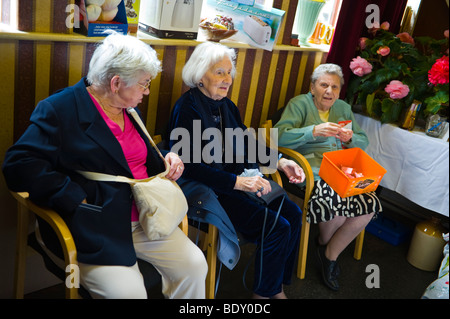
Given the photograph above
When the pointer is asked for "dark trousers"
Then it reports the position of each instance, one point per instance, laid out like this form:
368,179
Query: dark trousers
279,247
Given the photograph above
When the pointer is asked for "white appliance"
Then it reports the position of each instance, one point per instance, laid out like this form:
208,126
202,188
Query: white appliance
176,19
183,14
257,29
150,12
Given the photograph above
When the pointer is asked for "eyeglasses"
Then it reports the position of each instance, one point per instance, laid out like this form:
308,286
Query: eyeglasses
145,86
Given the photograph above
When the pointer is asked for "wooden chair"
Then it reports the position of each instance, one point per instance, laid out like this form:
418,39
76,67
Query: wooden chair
304,237
25,208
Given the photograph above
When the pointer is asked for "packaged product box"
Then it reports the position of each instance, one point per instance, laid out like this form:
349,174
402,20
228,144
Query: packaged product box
256,25
175,19
132,9
246,2
96,16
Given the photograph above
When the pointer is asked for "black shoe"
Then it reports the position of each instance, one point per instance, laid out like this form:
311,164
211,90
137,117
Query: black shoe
328,268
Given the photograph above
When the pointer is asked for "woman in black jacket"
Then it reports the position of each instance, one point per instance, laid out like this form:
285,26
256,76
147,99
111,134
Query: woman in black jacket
86,127
201,128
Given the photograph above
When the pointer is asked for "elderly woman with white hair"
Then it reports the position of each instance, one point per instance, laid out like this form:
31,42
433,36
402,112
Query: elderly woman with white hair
319,122
86,127
205,108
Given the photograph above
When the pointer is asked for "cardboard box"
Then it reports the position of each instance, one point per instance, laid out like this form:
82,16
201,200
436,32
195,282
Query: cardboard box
132,9
256,25
330,171
96,29
175,19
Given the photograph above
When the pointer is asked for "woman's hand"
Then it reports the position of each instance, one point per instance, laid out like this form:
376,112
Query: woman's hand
327,129
345,135
292,170
176,166
254,184
332,129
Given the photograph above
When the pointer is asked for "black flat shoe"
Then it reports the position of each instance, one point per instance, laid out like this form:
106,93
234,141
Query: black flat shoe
328,268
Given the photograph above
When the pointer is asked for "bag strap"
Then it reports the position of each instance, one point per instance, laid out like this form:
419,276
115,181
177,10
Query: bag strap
122,179
113,178
138,120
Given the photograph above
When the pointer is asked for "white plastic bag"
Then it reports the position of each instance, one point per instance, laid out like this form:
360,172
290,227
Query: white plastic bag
438,289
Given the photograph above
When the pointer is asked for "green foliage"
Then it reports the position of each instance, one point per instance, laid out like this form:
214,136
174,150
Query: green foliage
406,62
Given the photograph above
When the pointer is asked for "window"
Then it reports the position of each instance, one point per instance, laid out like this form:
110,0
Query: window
8,13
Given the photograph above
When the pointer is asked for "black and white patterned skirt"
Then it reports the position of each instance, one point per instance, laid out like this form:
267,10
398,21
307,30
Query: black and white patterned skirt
325,203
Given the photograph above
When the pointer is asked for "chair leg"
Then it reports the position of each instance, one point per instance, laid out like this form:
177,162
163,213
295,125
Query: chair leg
211,259
359,245
21,251
303,249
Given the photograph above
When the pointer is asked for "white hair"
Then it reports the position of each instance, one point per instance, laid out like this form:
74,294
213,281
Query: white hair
122,55
327,68
203,58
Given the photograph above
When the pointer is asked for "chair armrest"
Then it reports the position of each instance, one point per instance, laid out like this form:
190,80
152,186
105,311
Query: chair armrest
304,164
184,225
297,157
57,224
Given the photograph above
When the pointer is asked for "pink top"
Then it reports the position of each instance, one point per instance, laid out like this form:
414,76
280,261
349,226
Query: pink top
133,147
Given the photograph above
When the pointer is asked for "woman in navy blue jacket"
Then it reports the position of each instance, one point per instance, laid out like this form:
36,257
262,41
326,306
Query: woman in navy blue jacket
203,115
86,127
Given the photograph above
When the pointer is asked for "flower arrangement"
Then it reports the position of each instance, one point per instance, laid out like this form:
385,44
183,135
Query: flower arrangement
391,71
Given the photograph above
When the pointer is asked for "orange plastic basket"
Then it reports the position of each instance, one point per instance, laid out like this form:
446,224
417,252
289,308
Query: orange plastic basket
330,171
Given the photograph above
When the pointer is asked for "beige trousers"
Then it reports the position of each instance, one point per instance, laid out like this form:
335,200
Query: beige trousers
180,262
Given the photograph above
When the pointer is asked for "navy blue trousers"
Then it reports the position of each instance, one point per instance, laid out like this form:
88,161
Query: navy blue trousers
280,246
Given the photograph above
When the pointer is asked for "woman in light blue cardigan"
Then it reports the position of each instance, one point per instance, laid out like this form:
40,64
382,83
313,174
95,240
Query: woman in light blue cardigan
313,124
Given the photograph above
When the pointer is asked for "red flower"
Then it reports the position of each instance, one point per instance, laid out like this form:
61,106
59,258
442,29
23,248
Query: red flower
438,73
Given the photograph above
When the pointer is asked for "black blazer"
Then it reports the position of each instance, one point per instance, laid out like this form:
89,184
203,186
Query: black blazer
66,134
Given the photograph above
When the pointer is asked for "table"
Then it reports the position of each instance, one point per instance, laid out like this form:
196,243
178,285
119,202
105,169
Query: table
417,165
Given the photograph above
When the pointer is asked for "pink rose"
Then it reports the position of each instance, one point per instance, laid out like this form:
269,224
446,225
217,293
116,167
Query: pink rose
385,26
446,33
406,38
397,90
362,42
360,66
383,51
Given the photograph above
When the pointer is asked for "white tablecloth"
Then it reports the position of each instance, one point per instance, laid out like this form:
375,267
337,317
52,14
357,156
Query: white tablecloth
417,165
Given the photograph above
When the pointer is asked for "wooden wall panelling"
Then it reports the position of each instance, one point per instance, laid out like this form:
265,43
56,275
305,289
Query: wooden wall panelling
25,86
152,100
43,16
264,82
8,62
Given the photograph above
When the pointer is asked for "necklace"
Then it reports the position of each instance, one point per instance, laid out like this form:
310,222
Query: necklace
101,104
115,117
